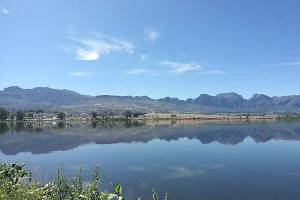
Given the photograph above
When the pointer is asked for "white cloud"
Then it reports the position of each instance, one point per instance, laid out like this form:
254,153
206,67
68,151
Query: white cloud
212,72
143,58
84,54
151,35
4,10
138,71
93,48
282,64
179,68
82,74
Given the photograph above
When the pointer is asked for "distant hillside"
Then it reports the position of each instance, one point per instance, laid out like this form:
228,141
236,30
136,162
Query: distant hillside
69,101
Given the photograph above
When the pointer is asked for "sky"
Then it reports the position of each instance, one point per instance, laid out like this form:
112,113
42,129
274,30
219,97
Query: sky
152,47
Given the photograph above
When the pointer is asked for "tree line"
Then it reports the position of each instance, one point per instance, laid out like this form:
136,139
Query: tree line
127,114
19,115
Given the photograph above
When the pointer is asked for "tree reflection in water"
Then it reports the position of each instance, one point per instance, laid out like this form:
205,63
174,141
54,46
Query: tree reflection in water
133,131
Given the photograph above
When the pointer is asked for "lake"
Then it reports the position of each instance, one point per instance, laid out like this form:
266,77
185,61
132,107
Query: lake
190,160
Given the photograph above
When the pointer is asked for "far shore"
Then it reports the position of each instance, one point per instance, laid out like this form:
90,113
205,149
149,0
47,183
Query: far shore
166,116
207,116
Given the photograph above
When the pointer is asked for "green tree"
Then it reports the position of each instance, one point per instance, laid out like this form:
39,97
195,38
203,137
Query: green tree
173,116
3,114
94,115
12,116
127,113
29,114
61,115
39,112
248,116
111,113
137,114
20,115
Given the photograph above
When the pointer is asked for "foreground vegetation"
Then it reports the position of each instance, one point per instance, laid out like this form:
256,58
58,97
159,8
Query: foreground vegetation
17,183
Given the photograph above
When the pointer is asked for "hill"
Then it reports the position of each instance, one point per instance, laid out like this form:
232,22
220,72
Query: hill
54,99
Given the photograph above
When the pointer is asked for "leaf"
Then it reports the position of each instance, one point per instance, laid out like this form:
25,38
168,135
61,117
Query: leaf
105,194
83,196
154,194
167,196
111,196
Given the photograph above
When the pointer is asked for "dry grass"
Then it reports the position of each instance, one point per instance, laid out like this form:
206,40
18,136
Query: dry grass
205,116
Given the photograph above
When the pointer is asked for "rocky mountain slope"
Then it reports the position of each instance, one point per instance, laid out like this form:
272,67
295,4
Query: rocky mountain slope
54,99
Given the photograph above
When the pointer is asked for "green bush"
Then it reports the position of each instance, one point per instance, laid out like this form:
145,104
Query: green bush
16,183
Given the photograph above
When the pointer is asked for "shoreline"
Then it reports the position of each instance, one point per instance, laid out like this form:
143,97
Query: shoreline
165,116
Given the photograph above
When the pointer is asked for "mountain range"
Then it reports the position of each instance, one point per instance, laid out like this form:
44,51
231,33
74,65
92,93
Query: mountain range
52,100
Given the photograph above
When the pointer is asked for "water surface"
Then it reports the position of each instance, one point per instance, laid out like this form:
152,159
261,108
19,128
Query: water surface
227,160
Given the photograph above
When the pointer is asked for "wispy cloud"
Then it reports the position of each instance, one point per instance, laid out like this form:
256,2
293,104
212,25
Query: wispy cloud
94,47
82,73
151,34
282,64
4,11
179,68
138,71
212,72
143,57
176,68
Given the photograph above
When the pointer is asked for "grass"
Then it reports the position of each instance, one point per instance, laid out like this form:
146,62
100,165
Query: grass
16,183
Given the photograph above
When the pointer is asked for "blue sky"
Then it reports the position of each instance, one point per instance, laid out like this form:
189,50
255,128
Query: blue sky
154,48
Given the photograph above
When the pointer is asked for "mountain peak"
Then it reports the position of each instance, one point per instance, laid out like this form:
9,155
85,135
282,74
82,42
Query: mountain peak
261,96
12,89
229,94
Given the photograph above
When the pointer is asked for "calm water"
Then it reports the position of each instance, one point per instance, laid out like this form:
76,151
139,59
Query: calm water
238,160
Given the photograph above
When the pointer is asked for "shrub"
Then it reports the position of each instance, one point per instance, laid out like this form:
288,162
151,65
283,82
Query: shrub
16,183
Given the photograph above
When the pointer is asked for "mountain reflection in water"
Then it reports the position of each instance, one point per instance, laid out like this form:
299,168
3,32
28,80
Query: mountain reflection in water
40,138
